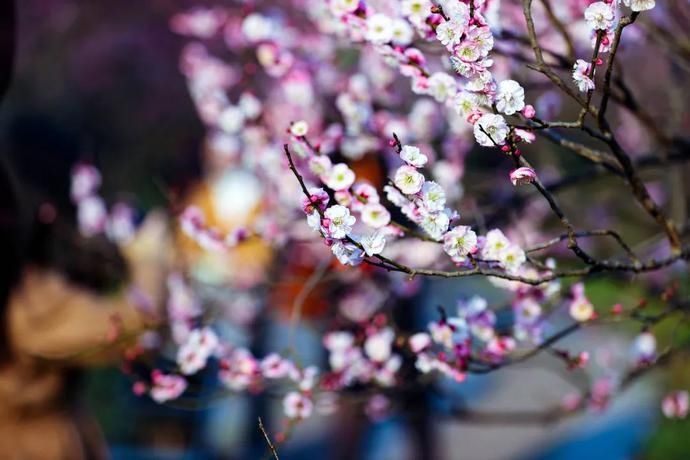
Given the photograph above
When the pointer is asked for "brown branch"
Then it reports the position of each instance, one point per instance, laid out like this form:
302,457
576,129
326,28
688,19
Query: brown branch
268,440
624,22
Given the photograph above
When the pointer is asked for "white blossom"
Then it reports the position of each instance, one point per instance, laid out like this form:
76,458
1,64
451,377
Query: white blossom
599,15
442,86
413,156
299,128
433,196
340,177
640,5
449,33
193,354
581,309
408,180
402,33
459,242
374,243
297,406
490,129
378,346
347,253
340,221
379,29
581,76
510,97
435,224
375,215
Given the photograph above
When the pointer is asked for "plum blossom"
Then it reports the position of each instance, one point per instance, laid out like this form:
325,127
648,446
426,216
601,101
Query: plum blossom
402,33
408,180
522,176
581,76
274,366
433,197
580,309
435,224
318,199
297,405
510,97
375,215
239,370
442,86
342,7
512,258
347,253
92,215
120,225
339,221
490,130
495,243
85,181
459,242
378,346
416,9
379,29
449,33
374,243
413,156
599,15
231,120
193,354
165,387
340,177
640,5
299,128
676,404
644,347
419,341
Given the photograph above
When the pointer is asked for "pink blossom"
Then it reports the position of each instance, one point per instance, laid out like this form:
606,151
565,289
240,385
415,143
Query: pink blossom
297,405
675,404
522,176
166,387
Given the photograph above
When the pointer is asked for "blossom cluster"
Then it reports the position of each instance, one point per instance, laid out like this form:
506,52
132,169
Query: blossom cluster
337,117
603,17
93,217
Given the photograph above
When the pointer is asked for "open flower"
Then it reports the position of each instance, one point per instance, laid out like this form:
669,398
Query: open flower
347,253
413,156
581,76
442,86
379,29
299,128
375,215
408,180
297,406
374,243
449,33
490,130
640,5
675,404
599,15
378,346
339,221
194,353
459,242
166,386
510,97
340,177
581,309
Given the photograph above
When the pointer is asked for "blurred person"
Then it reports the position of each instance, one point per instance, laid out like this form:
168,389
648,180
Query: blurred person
63,306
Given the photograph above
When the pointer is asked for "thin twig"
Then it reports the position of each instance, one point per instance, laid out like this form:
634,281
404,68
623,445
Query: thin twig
268,440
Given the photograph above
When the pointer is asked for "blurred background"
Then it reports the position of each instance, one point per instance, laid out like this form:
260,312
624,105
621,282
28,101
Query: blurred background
99,82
